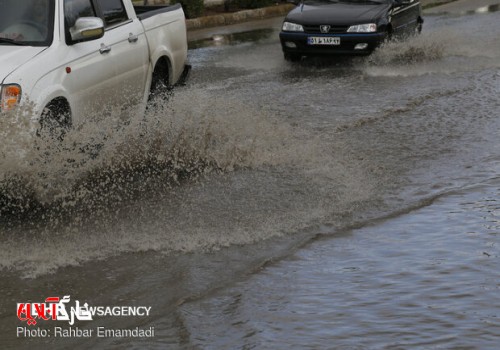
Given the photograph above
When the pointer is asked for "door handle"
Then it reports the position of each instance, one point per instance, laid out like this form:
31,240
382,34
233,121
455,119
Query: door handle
133,38
104,49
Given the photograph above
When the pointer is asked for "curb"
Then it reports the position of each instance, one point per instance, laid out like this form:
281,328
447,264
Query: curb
238,17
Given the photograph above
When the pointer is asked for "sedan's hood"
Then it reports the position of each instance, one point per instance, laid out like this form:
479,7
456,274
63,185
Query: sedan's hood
336,13
13,57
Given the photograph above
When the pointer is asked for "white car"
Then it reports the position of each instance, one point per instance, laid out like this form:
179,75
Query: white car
69,58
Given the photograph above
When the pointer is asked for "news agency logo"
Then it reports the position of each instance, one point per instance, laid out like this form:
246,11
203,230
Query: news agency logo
55,309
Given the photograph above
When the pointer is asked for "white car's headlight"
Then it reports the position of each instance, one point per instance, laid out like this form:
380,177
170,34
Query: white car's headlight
363,28
11,96
292,27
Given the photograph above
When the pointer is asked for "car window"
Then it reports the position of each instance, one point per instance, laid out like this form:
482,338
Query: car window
28,22
74,9
113,11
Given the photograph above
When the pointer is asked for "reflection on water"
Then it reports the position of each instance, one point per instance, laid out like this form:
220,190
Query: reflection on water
485,9
233,38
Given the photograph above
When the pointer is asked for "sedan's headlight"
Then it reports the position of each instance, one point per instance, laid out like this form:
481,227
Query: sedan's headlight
363,28
11,96
292,27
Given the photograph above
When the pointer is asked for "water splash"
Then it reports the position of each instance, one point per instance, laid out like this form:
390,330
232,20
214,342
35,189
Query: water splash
174,140
155,182
459,47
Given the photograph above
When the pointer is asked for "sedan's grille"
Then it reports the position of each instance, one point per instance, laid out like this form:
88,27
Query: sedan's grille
317,30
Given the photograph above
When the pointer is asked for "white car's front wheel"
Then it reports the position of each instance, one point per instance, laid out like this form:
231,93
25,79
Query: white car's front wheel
55,120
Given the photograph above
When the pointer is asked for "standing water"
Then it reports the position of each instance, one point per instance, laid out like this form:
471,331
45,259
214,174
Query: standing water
327,204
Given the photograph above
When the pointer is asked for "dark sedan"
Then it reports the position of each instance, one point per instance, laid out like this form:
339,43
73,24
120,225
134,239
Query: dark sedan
319,27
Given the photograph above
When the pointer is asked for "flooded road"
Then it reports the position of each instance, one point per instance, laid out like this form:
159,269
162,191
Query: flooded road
347,204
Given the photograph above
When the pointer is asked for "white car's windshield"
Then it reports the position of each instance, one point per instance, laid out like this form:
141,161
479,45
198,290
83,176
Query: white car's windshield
26,22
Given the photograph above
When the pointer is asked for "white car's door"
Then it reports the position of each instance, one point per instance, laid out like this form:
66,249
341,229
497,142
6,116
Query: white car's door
126,46
107,73
88,79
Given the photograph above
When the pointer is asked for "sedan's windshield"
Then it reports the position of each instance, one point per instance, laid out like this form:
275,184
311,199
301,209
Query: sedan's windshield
26,22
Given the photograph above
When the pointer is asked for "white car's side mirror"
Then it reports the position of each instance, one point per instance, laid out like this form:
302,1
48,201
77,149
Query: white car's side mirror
86,29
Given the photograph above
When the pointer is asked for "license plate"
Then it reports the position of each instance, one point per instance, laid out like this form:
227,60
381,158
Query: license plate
323,40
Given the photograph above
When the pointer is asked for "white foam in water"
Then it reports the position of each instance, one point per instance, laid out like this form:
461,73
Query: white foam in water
458,47
180,135
129,185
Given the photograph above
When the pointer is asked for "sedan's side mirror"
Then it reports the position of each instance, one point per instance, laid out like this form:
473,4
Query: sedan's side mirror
86,29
